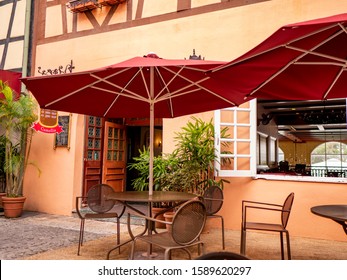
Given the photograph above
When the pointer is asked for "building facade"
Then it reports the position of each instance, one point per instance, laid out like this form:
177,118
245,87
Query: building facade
71,36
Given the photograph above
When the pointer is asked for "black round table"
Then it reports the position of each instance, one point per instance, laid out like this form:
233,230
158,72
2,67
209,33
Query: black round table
337,213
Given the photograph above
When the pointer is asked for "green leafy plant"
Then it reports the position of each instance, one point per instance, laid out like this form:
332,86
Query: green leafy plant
196,149
16,116
189,168
162,165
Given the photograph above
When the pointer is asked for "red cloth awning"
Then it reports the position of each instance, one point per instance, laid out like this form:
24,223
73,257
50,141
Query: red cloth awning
12,79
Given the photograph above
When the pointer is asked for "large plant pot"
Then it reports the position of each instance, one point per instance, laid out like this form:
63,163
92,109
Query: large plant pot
1,196
156,210
168,218
13,206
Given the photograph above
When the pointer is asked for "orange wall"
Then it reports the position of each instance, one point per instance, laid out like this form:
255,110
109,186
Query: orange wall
54,191
307,194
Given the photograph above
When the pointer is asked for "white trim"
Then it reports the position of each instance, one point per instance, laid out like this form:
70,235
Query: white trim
252,141
298,178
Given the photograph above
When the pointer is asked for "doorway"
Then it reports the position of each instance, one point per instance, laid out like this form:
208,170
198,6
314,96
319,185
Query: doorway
104,153
138,139
110,145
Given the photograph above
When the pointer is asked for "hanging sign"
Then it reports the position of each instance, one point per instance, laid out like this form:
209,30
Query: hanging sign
48,122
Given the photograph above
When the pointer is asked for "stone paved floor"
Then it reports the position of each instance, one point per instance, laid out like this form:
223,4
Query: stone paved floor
43,236
33,233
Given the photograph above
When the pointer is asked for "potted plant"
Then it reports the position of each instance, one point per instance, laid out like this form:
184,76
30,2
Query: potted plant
2,171
195,148
189,168
16,116
162,165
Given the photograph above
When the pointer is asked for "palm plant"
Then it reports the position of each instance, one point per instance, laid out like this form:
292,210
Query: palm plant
162,165
189,168
16,116
196,149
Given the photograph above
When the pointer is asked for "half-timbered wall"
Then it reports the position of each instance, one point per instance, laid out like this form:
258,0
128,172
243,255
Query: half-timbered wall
12,30
216,29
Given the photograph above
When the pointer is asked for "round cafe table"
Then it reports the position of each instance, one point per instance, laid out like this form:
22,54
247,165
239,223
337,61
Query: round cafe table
337,213
126,198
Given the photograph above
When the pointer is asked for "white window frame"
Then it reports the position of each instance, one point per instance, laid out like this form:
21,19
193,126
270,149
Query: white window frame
252,142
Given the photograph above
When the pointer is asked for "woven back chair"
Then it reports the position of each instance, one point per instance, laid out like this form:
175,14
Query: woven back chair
284,210
213,200
99,207
186,227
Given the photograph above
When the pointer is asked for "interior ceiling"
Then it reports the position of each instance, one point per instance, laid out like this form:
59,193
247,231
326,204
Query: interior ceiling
303,121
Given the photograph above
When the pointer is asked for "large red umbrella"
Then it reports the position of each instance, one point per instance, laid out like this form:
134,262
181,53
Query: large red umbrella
301,61
139,87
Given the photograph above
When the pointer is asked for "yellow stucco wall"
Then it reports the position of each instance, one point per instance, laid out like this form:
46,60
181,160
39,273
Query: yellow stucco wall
219,35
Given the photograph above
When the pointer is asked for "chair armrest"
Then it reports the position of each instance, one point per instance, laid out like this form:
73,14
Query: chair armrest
246,207
260,203
78,201
148,218
266,208
214,199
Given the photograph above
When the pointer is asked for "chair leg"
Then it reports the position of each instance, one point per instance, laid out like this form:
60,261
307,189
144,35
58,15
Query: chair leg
202,248
243,242
223,239
132,250
118,234
288,246
167,254
282,245
80,240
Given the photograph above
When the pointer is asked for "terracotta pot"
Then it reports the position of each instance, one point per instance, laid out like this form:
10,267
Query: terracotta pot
13,206
160,217
1,195
168,218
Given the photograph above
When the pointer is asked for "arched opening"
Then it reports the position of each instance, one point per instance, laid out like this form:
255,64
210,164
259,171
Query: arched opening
329,160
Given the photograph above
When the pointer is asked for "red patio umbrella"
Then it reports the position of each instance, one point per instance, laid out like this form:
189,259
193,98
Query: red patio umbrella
139,87
301,61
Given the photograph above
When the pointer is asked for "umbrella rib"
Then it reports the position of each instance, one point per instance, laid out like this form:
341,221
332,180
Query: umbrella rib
109,107
166,86
333,83
145,84
304,52
133,95
70,94
319,63
179,91
276,47
316,54
91,85
316,32
177,94
191,83
343,27
123,89
272,77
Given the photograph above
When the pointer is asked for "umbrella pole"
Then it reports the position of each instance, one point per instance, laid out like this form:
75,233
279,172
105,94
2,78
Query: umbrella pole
151,132
151,148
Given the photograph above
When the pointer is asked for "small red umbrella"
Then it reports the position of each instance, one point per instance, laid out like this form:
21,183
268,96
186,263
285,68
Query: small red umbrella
139,87
301,61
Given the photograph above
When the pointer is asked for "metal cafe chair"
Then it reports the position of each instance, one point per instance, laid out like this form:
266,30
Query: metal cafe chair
284,210
213,200
99,207
186,227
